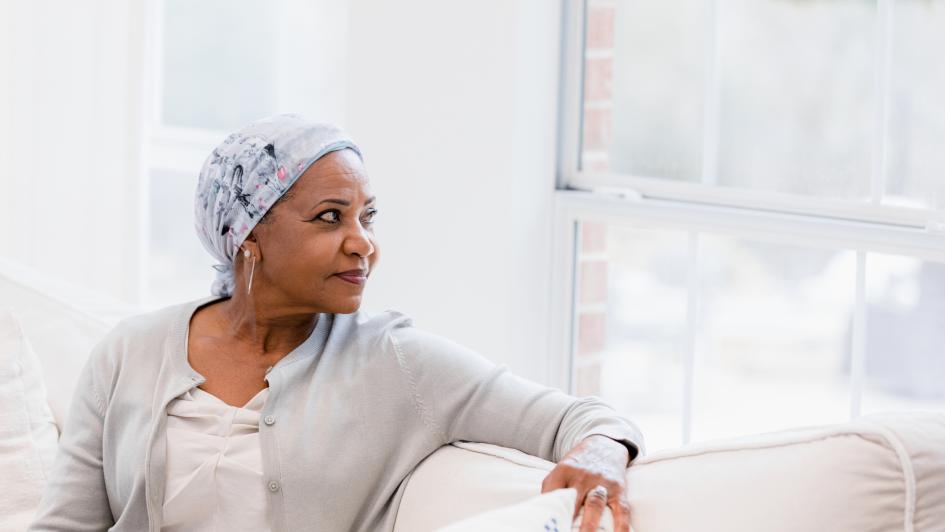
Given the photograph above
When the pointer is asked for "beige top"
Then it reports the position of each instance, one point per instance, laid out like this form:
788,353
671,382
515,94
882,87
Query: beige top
214,465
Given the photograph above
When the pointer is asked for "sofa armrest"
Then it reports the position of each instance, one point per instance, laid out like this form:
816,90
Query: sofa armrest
881,472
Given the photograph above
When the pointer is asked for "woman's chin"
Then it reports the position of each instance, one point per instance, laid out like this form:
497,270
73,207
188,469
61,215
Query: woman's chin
347,305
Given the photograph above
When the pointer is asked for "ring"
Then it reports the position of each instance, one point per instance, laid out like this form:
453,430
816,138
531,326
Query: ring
598,491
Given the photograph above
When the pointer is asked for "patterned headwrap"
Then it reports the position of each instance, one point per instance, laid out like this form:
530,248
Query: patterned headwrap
246,174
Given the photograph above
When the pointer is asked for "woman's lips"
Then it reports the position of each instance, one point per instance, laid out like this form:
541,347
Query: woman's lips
351,278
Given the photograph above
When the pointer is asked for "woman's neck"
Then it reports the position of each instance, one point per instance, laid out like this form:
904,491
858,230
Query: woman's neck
264,326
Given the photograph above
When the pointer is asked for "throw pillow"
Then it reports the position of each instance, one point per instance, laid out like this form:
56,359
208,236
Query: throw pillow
28,433
548,512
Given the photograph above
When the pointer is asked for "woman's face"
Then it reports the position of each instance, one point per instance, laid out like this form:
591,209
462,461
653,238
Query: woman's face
322,228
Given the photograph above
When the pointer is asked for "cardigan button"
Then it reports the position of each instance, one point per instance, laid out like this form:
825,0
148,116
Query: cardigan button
269,420
273,486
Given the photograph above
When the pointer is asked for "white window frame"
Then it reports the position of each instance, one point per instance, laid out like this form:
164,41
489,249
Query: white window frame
172,148
166,148
644,201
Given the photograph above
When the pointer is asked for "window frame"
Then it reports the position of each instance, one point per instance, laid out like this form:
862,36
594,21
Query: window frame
572,176
646,201
172,148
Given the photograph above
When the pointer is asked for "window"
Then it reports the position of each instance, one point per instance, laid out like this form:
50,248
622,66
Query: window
218,63
752,205
216,66
212,72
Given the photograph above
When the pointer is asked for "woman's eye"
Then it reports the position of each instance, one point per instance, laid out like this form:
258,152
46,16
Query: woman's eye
336,216
333,219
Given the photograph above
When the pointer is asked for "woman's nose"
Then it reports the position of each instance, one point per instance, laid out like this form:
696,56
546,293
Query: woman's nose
359,242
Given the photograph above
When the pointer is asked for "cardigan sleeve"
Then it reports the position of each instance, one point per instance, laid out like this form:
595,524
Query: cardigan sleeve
462,396
75,498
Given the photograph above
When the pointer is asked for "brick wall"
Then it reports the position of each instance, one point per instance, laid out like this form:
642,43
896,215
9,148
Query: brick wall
591,305
591,308
598,85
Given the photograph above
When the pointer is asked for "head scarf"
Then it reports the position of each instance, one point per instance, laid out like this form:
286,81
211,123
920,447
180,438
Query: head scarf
246,174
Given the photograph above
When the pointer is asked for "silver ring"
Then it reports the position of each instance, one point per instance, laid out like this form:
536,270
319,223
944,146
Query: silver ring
598,491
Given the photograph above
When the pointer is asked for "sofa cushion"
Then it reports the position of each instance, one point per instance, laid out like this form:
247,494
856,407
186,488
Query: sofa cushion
61,333
881,472
467,479
920,441
28,433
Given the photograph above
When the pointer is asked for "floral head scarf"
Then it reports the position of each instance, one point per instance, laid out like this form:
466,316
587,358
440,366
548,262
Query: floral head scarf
246,174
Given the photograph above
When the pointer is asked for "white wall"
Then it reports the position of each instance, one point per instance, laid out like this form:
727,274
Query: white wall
70,132
454,105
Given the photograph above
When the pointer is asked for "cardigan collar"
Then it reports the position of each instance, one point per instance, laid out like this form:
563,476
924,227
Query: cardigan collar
176,348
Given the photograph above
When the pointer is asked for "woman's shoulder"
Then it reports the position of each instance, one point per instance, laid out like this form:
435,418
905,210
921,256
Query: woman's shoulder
158,323
400,333
146,331
388,324
371,323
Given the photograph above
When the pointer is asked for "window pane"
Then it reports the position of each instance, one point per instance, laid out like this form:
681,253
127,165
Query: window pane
639,359
916,166
905,331
772,328
658,71
792,109
797,96
774,324
219,62
179,269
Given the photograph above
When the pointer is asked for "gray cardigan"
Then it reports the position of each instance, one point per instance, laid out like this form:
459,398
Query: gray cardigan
353,409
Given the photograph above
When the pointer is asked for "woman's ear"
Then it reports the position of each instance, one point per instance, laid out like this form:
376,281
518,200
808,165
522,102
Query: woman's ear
252,245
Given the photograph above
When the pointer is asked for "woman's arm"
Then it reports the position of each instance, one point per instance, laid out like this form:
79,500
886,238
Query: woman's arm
461,395
75,498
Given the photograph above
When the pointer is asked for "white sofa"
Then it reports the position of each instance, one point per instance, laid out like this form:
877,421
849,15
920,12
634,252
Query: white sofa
880,473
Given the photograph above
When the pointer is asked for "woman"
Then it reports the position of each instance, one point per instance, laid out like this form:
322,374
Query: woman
276,404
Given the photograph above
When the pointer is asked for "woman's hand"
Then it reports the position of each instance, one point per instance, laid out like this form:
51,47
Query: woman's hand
597,460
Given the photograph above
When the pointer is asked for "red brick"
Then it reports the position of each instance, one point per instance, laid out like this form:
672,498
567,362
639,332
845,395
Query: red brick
593,281
596,165
587,380
600,27
592,332
593,237
598,129
598,79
